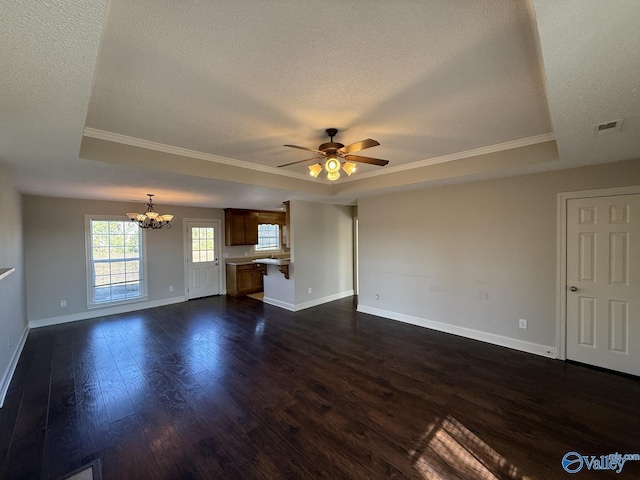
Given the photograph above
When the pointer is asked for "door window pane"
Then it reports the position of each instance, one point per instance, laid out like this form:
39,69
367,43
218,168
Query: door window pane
202,244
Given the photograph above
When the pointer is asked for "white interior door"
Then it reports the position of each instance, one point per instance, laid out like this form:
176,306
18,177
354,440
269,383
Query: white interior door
203,267
603,282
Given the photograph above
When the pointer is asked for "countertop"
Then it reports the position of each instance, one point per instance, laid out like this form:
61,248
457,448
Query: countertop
267,261
273,261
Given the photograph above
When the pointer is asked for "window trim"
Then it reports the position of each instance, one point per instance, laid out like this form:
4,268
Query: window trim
88,261
258,251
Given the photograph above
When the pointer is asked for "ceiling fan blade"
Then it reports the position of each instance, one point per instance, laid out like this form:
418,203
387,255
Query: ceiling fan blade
372,161
305,148
361,145
300,161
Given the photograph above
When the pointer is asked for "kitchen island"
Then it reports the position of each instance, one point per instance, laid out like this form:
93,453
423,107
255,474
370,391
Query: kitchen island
278,285
283,264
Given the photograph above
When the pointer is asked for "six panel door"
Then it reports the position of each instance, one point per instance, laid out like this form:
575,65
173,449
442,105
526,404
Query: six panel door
603,282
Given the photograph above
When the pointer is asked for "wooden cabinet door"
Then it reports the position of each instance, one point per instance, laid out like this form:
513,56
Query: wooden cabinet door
234,228
251,228
241,227
257,280
244,279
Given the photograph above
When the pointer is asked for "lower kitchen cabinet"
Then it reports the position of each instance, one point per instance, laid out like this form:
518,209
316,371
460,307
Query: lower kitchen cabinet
244,279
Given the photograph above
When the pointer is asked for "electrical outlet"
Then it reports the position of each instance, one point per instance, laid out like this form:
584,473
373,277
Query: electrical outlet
171,288
309,290
63,303
522,323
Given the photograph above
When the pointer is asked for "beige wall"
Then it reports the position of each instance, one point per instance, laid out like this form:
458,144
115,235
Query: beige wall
13,319
478,256
54,238
322,250
55,257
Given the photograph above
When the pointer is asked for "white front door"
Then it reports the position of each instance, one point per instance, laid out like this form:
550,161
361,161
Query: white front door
603,282
203,267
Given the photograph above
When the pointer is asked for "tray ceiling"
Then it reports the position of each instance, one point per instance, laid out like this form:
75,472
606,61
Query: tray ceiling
159,87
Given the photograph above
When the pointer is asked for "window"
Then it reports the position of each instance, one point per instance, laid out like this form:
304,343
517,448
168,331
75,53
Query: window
202,244
268,237
115,261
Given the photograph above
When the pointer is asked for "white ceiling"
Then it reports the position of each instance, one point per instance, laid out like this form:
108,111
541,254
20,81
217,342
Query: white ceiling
193,100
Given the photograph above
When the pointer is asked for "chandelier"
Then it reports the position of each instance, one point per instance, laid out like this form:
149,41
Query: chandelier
150,219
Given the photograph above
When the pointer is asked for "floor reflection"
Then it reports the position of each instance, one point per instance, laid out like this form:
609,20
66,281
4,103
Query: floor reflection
259,330
448,449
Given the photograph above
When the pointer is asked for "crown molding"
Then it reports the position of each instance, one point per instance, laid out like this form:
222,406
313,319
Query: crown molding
184,152
160,147
499,147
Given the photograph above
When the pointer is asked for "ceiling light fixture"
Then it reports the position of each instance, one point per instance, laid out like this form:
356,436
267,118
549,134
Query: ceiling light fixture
332,166
349,167
315,169
150,219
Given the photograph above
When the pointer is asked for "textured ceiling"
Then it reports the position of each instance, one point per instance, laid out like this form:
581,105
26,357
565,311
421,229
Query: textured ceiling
194,99
240,79
593,76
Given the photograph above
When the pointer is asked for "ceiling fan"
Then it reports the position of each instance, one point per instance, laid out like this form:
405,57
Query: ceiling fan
332,151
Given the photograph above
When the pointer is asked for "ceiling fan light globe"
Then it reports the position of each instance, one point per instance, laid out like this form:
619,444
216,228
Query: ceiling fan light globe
333,176
349,167
332,165
315,169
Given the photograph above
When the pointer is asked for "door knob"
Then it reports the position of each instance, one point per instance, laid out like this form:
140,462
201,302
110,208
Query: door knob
573,289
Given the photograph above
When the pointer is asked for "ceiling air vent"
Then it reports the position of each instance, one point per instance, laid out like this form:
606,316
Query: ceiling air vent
614,126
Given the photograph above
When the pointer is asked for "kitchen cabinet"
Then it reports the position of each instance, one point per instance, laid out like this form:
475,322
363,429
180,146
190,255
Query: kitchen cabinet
244,278
272,218
241,227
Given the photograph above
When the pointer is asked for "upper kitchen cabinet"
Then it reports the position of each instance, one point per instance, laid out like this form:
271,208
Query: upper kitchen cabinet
241,227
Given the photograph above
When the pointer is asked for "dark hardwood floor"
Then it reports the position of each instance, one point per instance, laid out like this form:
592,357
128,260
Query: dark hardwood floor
231,388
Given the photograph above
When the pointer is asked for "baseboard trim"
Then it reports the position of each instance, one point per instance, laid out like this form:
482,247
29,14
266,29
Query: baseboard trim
103,312
11,368
312,303
279,303
513,343
320,301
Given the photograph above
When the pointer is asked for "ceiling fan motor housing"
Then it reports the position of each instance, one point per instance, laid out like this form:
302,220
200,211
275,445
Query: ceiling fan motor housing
330,147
